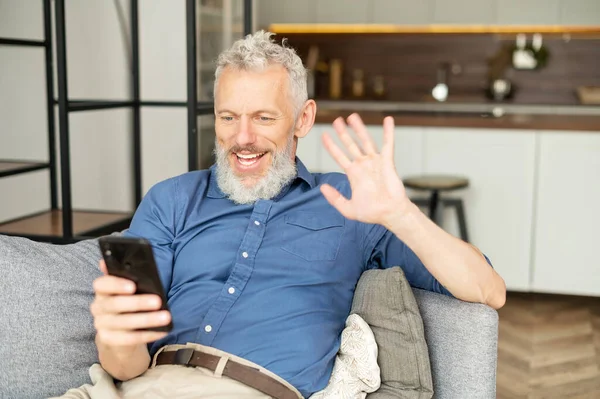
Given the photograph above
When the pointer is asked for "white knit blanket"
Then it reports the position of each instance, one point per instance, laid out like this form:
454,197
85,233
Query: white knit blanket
355,372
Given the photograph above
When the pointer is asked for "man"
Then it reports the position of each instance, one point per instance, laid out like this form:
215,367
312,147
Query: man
259,257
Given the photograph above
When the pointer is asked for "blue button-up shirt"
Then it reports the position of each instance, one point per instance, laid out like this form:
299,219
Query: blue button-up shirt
271,282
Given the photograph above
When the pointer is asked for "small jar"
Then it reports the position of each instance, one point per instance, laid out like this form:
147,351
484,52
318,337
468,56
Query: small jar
379,86
358,83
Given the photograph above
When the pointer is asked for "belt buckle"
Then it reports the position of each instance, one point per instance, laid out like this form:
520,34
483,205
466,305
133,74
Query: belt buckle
183,356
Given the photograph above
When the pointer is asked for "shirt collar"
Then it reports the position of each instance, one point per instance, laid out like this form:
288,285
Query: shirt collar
304,174
301,173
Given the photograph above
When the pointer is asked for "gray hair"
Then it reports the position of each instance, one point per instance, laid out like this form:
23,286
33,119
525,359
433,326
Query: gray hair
258,51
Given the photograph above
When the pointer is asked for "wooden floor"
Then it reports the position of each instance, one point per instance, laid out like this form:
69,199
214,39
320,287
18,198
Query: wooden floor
549,347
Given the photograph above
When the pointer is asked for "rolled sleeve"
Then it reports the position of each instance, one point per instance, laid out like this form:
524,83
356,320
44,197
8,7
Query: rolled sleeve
390,251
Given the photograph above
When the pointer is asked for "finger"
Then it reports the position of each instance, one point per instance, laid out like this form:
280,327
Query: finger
128,338
125,304
132,321
340,127
356,123
335,151
388,138
338,201
103,268
111,285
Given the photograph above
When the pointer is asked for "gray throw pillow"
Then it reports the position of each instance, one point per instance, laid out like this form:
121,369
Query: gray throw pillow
385,300
46,329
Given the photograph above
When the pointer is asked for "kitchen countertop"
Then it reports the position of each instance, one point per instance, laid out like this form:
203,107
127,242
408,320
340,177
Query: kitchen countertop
465,115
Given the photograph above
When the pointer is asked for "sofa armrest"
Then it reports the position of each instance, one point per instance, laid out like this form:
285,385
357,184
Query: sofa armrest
462,339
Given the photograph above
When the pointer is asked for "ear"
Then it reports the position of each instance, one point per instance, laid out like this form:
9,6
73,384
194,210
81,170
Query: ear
306,119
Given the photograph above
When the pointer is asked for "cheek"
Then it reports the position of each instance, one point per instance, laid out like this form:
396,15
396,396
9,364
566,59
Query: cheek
224,134
277,137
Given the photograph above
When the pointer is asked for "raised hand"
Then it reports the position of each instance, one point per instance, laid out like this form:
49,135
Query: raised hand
377,191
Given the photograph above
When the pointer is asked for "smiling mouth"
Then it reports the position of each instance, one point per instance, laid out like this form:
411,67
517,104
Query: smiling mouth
249,159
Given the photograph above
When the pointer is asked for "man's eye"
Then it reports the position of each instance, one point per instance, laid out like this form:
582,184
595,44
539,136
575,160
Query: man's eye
227,118
265,119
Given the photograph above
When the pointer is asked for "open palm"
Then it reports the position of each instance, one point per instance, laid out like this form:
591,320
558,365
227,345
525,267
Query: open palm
377,190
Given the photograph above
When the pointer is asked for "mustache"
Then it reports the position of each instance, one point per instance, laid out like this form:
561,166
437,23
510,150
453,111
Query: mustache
249,148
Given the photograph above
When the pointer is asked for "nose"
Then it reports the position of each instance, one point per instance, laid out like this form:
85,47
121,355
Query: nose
244,135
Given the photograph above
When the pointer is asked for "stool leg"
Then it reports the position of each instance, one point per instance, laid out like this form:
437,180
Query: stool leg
433,206
462,223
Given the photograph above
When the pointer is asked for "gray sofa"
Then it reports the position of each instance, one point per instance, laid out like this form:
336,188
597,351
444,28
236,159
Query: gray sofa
46,331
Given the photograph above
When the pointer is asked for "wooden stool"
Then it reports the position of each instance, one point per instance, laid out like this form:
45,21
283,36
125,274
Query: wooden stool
437,184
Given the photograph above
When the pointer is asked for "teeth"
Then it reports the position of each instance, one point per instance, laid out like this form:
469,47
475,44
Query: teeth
249,156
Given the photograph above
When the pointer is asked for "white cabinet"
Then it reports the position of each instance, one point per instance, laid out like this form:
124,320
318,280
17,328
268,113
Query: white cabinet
567,222
532,204
579,12
310,147
343,11
285,12
423,12
528,12
499,201
408,149
464,12
402,12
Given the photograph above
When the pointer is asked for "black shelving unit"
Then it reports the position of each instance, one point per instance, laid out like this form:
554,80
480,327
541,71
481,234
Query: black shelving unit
16,167
95,225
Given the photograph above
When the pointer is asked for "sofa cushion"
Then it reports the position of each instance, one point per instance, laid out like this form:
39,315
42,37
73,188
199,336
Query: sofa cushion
46,329
385,300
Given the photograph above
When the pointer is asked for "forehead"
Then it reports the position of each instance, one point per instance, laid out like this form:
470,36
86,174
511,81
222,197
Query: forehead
237,87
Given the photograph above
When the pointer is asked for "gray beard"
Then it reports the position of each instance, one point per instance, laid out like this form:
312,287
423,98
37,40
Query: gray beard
281,172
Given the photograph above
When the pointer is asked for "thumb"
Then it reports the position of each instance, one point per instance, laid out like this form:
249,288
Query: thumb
338,201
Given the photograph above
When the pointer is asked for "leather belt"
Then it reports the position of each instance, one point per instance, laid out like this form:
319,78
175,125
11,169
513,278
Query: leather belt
247,375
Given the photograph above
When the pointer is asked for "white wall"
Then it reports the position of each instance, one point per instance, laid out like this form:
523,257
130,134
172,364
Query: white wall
98,51
163,77
505,12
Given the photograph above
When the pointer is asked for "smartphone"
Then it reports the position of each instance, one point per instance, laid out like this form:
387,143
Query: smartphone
133,259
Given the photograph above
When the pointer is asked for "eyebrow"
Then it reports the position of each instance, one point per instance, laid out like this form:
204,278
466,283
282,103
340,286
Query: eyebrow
260,111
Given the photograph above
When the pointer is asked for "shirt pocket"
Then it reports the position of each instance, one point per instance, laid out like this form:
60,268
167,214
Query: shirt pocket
313,236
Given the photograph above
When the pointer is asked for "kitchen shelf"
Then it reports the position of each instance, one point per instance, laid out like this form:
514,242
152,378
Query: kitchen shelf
515,122
10,168
92,105
49,224
22,42
456,29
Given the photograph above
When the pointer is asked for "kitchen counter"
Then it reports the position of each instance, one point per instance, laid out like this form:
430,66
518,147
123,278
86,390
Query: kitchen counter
466,115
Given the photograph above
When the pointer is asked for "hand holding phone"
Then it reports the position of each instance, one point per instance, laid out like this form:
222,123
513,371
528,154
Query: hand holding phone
130,306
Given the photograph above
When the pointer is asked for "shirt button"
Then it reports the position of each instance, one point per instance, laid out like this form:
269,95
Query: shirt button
245,254
208,328
231,290
256,222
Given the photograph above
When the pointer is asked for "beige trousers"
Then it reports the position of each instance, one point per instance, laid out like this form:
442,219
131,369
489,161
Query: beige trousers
173,382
